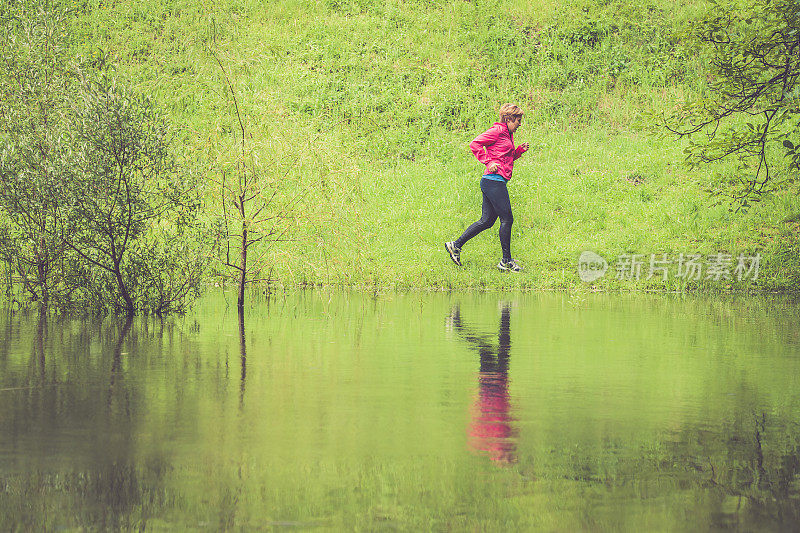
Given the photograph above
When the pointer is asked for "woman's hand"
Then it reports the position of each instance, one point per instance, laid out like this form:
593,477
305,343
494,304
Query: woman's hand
492,167
524,146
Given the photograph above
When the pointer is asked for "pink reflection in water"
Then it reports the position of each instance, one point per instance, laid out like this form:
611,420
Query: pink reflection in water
491,428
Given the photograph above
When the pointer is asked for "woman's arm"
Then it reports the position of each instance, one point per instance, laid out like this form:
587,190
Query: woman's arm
519,150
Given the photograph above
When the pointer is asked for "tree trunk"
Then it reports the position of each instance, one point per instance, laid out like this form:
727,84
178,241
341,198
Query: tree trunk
243,272
42,275
42,271
123,290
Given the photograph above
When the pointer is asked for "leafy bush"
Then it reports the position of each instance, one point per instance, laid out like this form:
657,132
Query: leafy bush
95,211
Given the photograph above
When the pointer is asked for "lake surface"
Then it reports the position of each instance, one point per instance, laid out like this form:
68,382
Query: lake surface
331,411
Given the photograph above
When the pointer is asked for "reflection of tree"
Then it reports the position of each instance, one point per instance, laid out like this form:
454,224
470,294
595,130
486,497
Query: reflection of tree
243,352
491,429
110,486
746,467
113,496
759,464
38,343
117,358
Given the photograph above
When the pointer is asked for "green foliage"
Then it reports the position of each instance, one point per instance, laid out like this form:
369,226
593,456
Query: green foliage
126,195
94,211
752,99
36,147
360,113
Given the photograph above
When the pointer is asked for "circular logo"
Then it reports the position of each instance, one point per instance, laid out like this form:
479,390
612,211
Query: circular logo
591,266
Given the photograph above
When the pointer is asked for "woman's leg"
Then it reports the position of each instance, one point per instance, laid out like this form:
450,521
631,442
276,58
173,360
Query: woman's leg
495,194
487,220
502,206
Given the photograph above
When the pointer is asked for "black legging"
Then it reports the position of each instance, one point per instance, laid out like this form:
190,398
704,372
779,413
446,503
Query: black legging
496,203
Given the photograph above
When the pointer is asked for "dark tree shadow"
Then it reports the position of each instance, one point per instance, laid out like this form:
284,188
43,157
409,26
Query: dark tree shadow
39,341
116,362
491,430
243,353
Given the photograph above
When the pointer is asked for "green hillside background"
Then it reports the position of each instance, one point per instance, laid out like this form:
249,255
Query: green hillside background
361,112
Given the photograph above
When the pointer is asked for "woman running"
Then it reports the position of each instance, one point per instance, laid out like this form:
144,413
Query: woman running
495,149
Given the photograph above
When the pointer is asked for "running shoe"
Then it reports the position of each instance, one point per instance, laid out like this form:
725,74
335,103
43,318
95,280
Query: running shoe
509,266
454,251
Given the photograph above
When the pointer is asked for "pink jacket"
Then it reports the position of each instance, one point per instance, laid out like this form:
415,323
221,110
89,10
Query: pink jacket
497,145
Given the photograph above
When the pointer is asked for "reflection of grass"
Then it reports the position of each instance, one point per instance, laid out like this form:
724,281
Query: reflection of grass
116,496
591,487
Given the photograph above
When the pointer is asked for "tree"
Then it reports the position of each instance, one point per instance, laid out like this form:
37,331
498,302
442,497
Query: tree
131,210
93,208
36,147
255,209
751,100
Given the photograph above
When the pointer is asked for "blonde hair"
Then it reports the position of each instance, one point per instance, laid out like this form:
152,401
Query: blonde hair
510,112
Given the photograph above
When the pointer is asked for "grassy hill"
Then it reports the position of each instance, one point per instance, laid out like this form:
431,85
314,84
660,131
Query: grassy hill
359,113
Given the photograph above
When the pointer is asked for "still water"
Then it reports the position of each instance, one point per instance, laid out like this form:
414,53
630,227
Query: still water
348,411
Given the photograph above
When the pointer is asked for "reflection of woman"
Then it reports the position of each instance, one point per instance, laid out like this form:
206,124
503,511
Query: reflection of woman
491,429
495,149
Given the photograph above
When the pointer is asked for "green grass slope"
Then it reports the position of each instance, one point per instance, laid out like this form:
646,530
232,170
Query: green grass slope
364,110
